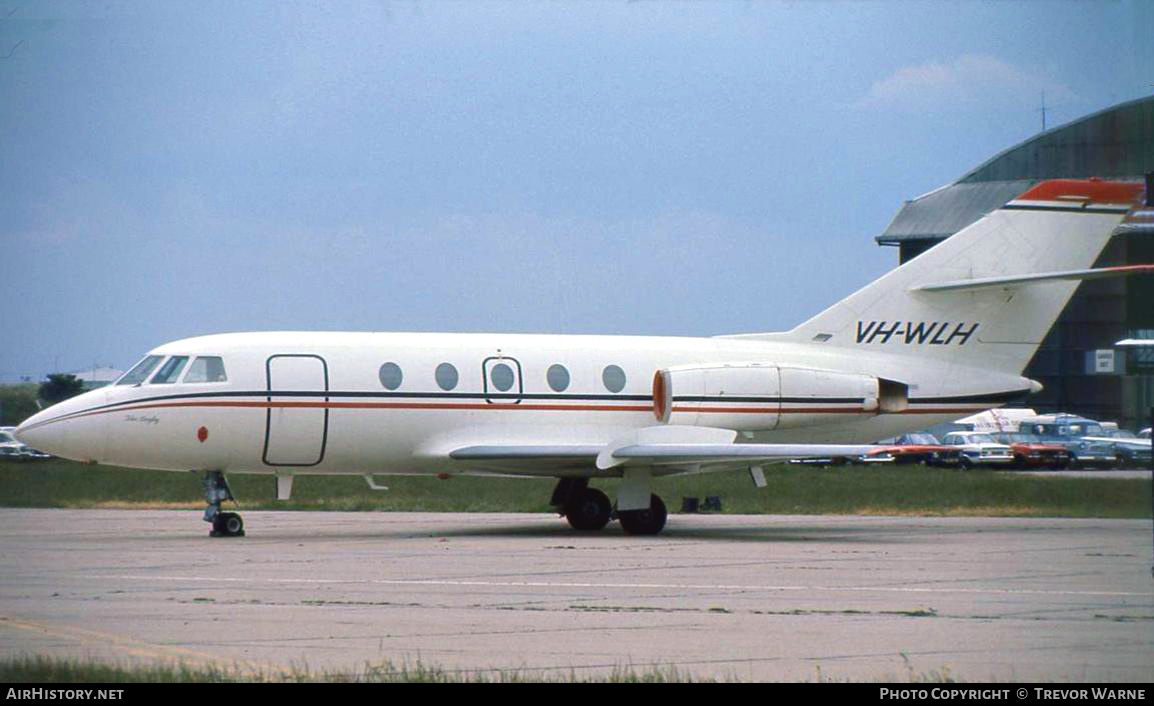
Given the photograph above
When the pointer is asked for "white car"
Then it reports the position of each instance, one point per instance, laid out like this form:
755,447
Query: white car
978,448
11,449
1144,434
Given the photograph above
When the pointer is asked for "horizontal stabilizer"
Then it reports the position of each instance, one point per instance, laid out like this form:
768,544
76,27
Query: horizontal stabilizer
1035,278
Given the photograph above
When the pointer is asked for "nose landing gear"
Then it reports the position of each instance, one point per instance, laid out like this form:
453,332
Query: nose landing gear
216,491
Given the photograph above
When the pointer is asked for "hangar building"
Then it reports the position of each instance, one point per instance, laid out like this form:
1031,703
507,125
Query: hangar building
1082,368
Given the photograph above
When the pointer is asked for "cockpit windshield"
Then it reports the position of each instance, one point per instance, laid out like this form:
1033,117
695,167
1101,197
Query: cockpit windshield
140,371
170,371
205,368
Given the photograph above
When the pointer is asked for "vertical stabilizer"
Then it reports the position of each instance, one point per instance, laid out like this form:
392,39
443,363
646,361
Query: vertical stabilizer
976,298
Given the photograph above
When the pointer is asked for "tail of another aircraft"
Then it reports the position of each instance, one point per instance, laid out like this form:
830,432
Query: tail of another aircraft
986,296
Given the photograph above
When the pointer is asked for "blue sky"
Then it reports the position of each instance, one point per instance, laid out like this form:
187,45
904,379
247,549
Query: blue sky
176,169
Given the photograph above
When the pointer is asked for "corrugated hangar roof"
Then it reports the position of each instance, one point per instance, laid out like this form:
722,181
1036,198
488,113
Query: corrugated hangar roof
941,213
1114,143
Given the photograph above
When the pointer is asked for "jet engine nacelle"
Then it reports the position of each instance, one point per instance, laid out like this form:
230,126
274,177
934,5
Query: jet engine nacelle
764,396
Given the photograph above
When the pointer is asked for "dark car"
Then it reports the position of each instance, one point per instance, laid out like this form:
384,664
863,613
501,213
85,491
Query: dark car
1080,436
1130,450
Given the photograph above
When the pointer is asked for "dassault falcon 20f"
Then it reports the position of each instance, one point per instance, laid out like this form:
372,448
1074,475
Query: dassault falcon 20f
945,335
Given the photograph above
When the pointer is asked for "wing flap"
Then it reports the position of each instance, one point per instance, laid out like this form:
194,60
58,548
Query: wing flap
494,452
730,454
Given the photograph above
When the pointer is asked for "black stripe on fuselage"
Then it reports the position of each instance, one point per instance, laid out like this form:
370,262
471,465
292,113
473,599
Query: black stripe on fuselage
783,400
991,399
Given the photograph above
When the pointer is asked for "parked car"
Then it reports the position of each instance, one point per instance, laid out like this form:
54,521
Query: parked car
1144,434
977,448
917,447
1077,434
1031,452
12,449
1130,451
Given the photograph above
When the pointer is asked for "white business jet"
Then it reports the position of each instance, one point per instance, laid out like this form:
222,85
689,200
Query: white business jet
944,335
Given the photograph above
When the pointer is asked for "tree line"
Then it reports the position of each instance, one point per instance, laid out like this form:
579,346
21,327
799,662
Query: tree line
18,402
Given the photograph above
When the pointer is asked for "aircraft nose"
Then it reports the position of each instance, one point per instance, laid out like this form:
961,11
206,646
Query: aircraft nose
37,433
68,429
26,432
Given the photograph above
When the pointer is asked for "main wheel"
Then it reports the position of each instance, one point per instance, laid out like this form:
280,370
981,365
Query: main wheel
588,510
228,524
649,521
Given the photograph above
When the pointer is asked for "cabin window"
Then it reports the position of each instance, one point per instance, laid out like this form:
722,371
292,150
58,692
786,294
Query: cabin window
614,378
170,371
502,377
446,376
557,377
206,368
391,376
140,371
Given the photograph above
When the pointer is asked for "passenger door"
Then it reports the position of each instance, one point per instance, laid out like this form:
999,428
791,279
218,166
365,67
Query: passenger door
298,417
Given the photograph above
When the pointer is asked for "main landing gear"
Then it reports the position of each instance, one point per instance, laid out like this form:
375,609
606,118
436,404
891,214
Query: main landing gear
588,509
216,491
648,521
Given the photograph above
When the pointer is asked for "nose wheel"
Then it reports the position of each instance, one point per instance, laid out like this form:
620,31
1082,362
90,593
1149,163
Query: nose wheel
227,524
216,491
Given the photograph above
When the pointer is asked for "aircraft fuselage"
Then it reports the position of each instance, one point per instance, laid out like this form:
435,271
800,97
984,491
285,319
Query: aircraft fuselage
358,403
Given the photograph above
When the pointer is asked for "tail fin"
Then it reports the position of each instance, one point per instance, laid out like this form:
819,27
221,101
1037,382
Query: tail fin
990,293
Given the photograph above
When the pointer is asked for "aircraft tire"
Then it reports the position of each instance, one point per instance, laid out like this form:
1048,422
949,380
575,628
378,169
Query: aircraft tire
644,522
228,524
589,510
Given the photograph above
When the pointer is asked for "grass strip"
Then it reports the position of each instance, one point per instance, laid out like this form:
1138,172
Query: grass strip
846,490
57,671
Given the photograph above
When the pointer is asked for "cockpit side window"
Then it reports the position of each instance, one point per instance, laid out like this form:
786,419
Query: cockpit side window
140,371
206,368
170,371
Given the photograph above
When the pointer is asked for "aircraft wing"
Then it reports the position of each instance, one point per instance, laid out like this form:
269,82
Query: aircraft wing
669,449
701,456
